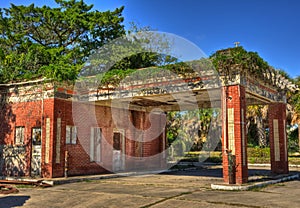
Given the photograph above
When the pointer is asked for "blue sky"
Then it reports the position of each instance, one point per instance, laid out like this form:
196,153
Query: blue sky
269,27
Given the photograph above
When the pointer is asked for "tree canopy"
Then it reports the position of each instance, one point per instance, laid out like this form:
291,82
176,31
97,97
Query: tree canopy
154,47
53,42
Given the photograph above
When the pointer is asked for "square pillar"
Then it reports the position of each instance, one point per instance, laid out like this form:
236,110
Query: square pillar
278,138
234,140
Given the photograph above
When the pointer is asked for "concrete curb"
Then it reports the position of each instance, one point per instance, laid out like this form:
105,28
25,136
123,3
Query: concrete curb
197,164
251,186
259,165
74,179
269,165
8,178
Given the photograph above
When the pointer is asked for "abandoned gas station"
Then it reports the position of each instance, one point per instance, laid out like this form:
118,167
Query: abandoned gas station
54,130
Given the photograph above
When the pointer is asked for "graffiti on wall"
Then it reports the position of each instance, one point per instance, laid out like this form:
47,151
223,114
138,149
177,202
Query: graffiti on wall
36,152
14,160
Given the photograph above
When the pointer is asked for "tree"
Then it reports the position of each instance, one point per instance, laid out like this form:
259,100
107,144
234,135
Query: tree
53,42
142,47
193,130
146,38
295,101
256,119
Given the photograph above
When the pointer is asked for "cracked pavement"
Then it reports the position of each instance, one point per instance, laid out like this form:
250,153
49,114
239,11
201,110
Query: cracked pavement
179,189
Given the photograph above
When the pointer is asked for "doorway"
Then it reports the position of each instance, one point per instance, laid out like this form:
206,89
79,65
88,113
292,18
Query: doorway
118,150
36,152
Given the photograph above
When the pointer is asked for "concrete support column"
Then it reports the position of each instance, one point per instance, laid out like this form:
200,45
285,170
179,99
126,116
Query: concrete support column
278,138
234,140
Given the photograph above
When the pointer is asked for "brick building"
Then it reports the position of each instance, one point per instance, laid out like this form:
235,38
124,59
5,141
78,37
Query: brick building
52,130
39,137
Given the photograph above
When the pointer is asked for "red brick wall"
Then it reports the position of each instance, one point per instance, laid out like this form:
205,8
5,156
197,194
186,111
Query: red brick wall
153,140
78,154
35,113
29,115
47,170
234,96
278,111
98,116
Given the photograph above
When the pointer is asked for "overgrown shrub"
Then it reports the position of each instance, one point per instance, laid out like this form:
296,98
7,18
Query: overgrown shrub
293,145
258,154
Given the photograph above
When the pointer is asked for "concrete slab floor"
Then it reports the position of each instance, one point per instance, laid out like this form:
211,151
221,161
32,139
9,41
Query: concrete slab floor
175,189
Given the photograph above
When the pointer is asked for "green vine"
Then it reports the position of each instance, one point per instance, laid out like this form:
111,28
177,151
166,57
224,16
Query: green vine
183,69
225,60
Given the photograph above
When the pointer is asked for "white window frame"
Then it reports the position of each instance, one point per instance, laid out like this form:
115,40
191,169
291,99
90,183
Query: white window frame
71,134
19,135
95,144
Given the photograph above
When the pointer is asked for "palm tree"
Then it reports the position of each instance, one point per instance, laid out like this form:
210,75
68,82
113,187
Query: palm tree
256,124
194,130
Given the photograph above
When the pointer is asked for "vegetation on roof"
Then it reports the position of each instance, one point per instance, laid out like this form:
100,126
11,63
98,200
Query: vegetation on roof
223,60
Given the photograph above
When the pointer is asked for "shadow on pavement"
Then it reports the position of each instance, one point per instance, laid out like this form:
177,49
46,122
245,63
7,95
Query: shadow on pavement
13,201
255,174
200,171
265,172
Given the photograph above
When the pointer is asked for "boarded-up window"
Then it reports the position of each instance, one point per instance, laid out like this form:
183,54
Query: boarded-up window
20,135
95,144
71,134
139,147
117,141
36,136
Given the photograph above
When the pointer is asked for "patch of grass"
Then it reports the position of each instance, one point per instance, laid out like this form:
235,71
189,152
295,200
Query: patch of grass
279,184
262,155
258,152
88,181
294,160
232,204
258,155
255,155
24,186
214,157
257,188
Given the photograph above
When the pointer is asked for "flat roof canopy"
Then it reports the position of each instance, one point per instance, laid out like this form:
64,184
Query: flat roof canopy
175,93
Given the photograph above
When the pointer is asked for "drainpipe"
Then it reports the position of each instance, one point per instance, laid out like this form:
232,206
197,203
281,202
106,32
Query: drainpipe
42,123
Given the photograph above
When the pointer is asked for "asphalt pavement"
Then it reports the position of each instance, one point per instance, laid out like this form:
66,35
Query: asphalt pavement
187,188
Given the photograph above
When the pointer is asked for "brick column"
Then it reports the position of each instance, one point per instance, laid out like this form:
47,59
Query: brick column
234,132
278,138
